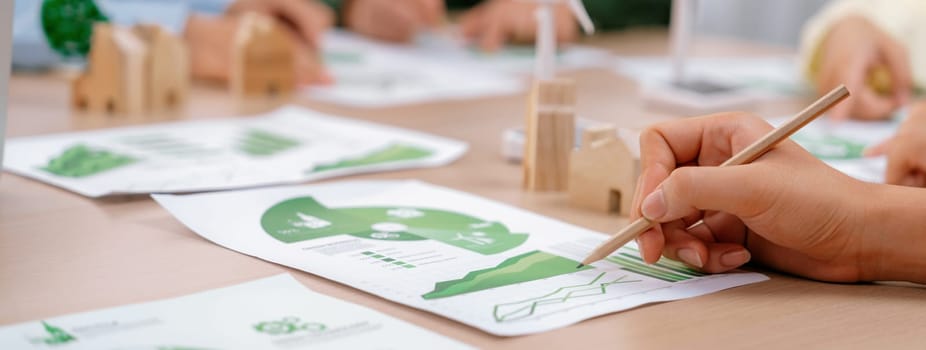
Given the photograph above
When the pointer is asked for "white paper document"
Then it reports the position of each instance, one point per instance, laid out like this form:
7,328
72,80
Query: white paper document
841,144
488,265
773,76
271,313
452,48
289,145
370,73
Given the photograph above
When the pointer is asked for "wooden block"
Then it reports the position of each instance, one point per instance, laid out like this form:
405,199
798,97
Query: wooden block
549,135
168,68
603,172
263,58
115,80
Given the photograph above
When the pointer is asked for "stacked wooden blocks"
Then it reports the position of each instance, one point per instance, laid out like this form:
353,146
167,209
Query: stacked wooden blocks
549,135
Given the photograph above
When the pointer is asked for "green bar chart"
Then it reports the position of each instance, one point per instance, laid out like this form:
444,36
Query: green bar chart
664,269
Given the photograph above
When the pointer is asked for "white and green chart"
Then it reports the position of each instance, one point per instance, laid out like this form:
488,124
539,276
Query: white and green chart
288,145
762,76
436,66
270,313
373,74
491,266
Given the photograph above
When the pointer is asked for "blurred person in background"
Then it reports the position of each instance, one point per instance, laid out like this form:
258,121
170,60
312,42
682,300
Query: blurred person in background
491,23
207,25
878,50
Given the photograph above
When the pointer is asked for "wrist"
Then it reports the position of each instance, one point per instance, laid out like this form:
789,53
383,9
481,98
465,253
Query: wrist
894,247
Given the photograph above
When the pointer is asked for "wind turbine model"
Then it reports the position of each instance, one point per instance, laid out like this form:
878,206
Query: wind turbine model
685,92
550,123
545,68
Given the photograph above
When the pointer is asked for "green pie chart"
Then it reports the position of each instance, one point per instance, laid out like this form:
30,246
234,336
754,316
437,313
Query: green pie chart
304,218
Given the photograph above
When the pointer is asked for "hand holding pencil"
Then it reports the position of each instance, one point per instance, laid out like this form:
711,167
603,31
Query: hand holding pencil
787,209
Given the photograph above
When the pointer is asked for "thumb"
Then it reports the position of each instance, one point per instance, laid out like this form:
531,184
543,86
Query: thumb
689,190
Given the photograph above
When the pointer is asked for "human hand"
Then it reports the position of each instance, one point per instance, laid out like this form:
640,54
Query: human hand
495,22
393,20
786,210
855,52
906,151
306,19
211,38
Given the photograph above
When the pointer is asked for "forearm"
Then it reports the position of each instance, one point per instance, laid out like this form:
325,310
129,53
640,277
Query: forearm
896,225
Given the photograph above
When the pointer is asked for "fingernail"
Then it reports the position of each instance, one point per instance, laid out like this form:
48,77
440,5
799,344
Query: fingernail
654,206
735,258
690,257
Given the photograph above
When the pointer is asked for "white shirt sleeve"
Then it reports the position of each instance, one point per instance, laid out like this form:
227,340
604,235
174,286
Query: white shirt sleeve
31,49
903,20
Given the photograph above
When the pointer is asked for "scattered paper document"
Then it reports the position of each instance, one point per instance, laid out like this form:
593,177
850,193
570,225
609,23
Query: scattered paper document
436,66
453,49
289,145
763,76
371,74
270,313
491,266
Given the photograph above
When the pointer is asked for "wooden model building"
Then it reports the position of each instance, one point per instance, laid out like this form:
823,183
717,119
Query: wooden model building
549,135
131,71
168,68
603,172
263,58
114,81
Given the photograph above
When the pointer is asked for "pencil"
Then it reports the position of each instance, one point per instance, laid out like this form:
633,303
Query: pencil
747,155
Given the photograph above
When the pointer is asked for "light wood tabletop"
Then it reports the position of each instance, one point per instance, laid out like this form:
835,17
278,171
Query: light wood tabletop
62,253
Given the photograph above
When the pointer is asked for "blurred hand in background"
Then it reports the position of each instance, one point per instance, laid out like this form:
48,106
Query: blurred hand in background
906,151
497,22
393,20
211,38
873,65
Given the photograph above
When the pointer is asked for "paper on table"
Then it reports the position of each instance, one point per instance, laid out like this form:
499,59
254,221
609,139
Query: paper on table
452,48
371,74
286,146
437,66
769,76
271,313
500,269
841,144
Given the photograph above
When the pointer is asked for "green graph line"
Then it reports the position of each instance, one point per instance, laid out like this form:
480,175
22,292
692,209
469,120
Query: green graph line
390,154
548,299
526,267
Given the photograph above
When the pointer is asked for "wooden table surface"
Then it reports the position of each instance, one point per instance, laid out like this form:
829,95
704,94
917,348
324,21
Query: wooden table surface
62,253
